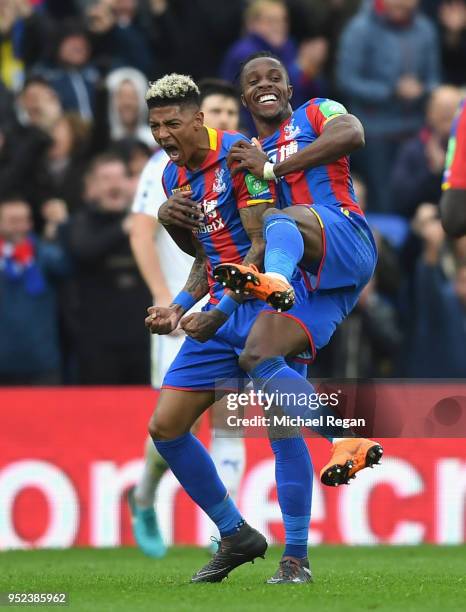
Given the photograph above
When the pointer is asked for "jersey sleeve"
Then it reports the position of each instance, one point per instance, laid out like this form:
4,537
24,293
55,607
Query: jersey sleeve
250,190
321,110
454,176
150,192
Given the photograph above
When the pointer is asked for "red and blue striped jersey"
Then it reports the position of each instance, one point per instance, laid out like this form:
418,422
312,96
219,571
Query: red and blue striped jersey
222,233
330,185
454,176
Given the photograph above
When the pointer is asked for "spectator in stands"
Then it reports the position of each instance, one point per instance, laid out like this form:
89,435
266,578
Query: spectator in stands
439,328
119,37
266,23
418,168
27,139
267,29
452,17
127,108
24,33
121,111
70,71
29,270
64,166
198,49
113,349
388,64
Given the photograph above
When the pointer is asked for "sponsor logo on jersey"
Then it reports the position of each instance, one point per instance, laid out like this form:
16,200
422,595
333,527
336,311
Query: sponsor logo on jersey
330,108
209,208
256,186
208,228
286,150
181,189
212,220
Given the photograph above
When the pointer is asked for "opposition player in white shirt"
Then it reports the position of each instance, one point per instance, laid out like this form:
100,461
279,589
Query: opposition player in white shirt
165,268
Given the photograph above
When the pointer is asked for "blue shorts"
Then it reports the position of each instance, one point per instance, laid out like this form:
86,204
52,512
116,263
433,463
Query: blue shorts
212,364
324,297
328,293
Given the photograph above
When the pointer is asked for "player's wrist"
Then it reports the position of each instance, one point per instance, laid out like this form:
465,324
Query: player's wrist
269,171
226,306
184,301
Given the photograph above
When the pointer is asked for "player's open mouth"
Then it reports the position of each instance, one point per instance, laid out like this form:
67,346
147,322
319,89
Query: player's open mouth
267,99
173,153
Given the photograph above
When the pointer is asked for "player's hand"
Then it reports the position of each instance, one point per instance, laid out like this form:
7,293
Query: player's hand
163,300
246,156
163,320
202,326
182,211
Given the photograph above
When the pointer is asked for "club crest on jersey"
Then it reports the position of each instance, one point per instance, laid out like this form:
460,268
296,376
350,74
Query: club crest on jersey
291,130
219,185
181,189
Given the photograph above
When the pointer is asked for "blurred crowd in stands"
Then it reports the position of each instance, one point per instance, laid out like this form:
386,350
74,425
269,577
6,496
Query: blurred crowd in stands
74,140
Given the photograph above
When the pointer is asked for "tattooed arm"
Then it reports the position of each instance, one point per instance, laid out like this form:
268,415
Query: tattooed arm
197,284
252,219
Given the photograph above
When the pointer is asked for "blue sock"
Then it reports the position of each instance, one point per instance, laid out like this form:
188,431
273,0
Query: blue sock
284,245
289,389
196,472
293,474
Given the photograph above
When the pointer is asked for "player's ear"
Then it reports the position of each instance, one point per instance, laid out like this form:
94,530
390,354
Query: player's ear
198,120
243,101
290,91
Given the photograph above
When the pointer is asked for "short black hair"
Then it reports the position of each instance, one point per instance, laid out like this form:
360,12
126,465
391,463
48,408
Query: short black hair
259,55
173,89
108,157
217,87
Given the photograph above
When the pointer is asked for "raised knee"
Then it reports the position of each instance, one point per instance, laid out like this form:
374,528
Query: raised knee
268,212
252,356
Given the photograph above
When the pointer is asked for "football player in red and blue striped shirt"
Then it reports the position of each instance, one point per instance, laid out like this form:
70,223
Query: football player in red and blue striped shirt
317,232
229,228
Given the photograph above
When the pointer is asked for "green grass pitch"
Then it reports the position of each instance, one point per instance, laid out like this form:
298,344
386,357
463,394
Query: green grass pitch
360,578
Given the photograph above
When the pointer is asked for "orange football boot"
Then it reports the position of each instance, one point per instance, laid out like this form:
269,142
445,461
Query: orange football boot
249,281
349,457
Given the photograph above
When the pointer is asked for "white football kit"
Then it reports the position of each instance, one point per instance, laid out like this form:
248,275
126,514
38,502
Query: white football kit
175,264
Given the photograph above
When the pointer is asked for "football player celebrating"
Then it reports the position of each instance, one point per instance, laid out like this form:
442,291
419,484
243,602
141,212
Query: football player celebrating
229,229
165,268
